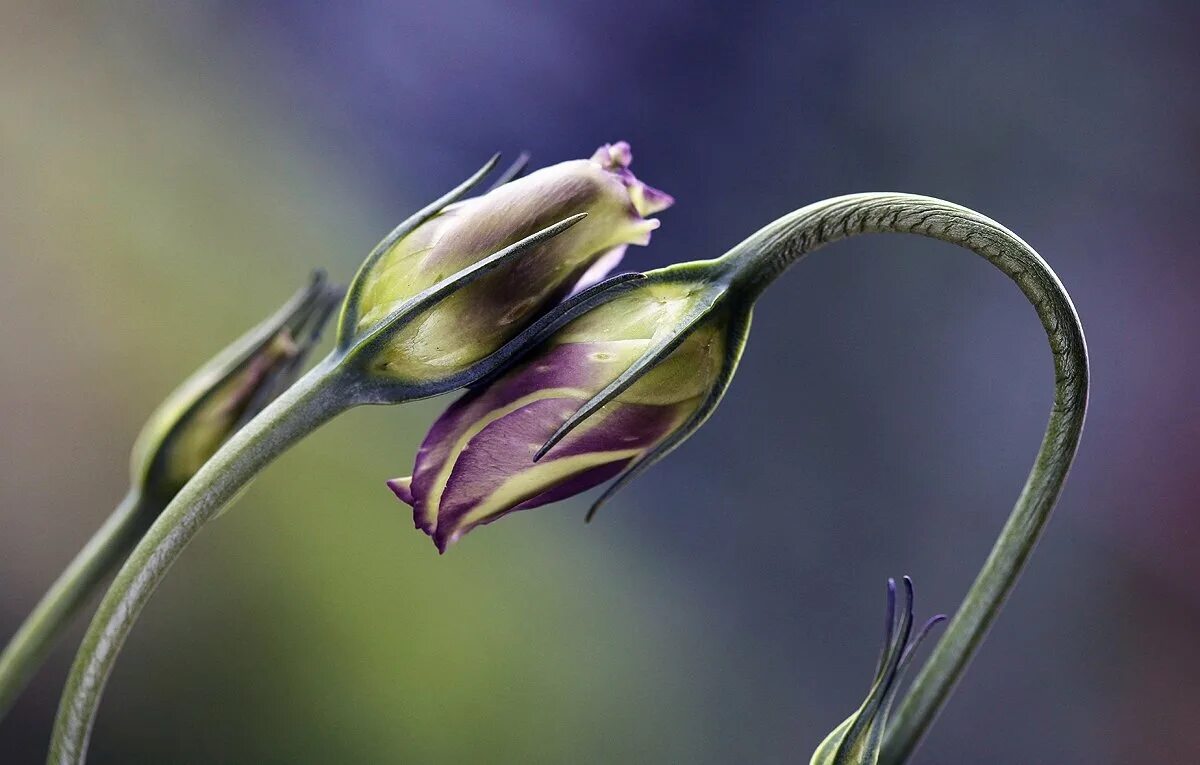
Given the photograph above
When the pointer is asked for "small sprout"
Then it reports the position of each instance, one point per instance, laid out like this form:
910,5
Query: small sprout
220,397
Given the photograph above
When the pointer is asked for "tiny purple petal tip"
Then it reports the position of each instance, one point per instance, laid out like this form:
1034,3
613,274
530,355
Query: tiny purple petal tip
402,488
655,200
648,200
614,156
616,159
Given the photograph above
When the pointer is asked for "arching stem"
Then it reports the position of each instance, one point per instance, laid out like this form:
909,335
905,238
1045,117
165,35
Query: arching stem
751,267
311,402
34,639
756,262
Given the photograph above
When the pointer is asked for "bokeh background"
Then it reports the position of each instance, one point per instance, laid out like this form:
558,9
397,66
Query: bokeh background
170,171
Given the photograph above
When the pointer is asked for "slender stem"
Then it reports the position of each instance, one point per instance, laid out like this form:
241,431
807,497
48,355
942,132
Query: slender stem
761,258
312,401
35,637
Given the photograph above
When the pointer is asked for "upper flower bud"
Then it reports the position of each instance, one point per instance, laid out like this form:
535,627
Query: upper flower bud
202,413
608,393
858,739
474,320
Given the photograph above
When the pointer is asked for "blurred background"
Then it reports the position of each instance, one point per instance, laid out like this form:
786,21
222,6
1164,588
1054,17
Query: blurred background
169,172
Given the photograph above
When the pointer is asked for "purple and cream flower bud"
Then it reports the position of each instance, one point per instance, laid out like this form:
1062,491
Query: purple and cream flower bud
480,317
482,458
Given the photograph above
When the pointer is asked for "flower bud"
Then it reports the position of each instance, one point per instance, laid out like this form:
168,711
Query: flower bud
478,318
607,394
858,739
193,422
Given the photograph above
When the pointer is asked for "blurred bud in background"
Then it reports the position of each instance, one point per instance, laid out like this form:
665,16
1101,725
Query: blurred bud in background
480,317
858,739
210,406
609,392
178,439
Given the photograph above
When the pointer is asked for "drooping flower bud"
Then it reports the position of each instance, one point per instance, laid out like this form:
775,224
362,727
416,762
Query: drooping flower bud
607,394
858,739
571,252
210,406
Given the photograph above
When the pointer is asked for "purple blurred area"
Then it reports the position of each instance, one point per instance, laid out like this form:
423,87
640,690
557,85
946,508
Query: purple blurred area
886,412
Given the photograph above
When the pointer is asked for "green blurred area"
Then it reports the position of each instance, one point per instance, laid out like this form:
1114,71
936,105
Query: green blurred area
148,218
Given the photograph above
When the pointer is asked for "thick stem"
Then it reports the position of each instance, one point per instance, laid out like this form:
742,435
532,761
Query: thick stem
35,637
761,258
309,403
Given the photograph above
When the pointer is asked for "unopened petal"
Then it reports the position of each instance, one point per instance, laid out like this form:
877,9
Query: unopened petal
496,474
572,370
476,320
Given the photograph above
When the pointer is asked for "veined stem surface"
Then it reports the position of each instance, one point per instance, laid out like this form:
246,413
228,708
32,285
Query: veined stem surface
766,254
36,636
308,404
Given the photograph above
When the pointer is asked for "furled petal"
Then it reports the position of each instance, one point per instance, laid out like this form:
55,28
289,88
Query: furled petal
478,318
496,474
616,158
572,370
608,389
577,484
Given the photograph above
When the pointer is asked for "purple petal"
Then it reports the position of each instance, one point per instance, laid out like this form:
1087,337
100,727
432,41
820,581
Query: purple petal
576,484
564,366
402,488
569,487
618,427
504,450
500,451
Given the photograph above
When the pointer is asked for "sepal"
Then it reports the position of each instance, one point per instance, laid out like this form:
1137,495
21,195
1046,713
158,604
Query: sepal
857,740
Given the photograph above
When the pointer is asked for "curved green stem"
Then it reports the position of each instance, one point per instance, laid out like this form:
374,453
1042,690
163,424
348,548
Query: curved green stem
311,402
751,266
760,259
35,637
